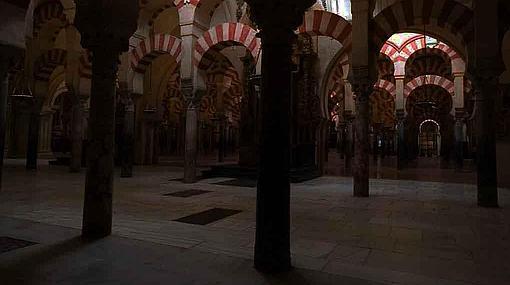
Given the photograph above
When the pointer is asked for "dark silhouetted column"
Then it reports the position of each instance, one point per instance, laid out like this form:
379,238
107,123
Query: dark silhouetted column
349,136
361,163
488,67
33,133
278,20
77,136
128,138
459,139
6,54
192,98
105,28
401,141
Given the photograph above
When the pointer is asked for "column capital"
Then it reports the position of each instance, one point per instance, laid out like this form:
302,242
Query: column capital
363,86
107,23
460,114
400,114
191,96
278,15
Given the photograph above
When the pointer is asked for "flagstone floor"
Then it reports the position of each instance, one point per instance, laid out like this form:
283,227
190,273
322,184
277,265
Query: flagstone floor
407,232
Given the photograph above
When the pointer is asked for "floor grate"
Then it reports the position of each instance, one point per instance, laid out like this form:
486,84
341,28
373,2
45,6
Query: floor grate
9,244
187,193
208,216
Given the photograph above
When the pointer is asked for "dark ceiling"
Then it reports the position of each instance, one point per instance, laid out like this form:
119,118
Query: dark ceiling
19,3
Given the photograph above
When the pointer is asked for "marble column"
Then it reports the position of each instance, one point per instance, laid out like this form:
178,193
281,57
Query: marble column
487,67
348,142
77,136
128,138
45,133
33,133
361,163
459,139
97,212
363,64
485,133
278,20
401,141
4,92
105,27
191,143
222,121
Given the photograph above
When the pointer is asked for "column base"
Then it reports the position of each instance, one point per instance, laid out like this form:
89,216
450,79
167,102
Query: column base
488,204
272,266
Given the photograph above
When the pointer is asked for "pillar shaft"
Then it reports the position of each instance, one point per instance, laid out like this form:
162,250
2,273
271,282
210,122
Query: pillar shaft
488,66
486,147
222,139
349,136
4,89
33,134
76,137
191,144
272,245
401,140
128,140
361,144
97,212
459,141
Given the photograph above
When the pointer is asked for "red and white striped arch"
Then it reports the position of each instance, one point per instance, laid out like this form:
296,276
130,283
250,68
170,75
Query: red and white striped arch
417,44
386,86
224,35
46,63
405,14
323,23
429,80
389,49
149,49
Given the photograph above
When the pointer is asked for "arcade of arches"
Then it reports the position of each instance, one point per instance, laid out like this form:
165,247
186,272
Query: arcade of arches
270,91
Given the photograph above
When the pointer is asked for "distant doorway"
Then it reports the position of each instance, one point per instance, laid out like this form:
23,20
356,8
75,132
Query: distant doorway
429,139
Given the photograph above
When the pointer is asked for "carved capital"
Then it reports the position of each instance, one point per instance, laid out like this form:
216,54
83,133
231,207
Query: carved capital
106,23
400,114
278,15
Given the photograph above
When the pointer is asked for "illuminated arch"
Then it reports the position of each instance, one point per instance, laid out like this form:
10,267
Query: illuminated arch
424,80
323,23
224,35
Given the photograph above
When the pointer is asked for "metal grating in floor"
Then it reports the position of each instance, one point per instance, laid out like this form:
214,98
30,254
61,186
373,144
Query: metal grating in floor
9,244
187,193
208,216
239,182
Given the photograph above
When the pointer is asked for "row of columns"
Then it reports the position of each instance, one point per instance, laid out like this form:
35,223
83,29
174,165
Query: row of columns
107,25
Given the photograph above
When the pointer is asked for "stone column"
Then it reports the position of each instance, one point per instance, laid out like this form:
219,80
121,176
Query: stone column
278,19
105,28
222,121
400,103
45,134
33,133
4,93
128,138
459,138
192,99
487,66
363,72
361,165
348,142
401,140
77,136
